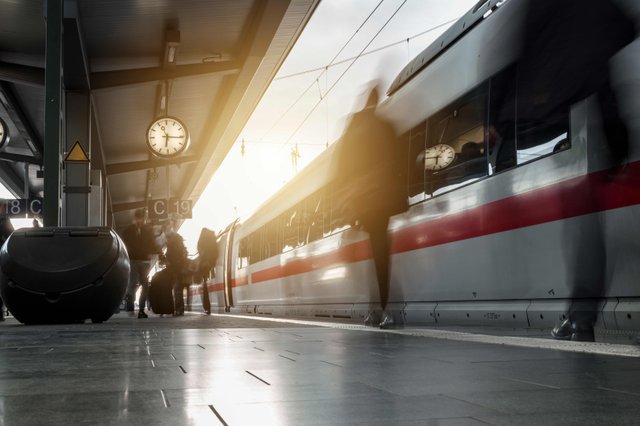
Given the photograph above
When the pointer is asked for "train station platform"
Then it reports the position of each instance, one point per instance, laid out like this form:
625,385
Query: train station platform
241,370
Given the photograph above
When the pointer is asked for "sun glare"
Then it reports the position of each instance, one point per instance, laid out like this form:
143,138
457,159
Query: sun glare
308,103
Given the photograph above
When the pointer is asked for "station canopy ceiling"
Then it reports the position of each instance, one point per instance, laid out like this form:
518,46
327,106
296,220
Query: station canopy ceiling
207,62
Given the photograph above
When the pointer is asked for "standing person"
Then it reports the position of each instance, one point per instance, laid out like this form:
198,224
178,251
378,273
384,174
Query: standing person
176,261
207,259
6,229
369,185
140,242
565,57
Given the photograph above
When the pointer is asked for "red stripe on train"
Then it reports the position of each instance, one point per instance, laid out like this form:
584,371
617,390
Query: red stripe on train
239,282
574,197
355,252
210,288
593,193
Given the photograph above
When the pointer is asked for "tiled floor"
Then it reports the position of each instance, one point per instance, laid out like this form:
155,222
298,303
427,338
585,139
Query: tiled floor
241,371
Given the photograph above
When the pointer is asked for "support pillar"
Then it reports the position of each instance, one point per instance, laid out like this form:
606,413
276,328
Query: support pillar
53,112
75,201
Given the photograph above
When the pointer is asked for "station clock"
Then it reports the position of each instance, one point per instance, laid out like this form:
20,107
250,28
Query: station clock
4,133
167,137
438,157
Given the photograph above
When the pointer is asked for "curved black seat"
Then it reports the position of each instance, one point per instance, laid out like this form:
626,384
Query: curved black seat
63,275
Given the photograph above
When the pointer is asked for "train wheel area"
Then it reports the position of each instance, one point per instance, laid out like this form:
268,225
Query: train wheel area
241,369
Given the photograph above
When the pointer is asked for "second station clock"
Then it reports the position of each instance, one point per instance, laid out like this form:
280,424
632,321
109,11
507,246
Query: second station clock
167,137
4,133
438,157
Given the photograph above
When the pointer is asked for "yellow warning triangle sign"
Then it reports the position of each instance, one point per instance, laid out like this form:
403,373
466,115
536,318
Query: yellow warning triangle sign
77,153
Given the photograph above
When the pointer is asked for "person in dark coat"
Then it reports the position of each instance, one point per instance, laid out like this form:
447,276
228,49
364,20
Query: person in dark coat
207,259
176,261
564,58
6,229
566,49
141,246
369,187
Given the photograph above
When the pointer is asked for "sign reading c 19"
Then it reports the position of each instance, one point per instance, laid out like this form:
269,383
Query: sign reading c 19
21,207
161,209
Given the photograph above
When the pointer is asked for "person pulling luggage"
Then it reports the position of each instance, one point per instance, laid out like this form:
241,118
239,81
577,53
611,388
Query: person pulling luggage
207,258
141,245
176,261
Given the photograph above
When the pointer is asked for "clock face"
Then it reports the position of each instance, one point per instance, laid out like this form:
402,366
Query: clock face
167,137
4,133
438,157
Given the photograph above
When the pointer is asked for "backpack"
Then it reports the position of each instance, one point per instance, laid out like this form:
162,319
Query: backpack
176,251
207,250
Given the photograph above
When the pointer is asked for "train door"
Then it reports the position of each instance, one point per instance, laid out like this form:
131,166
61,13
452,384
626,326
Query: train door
228,267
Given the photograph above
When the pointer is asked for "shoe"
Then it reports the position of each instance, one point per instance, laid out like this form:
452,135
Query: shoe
207,312
141,314
387,320
576,331
583,332
563,331
128,303
372,319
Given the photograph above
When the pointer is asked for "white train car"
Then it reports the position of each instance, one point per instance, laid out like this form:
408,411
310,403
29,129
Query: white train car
491,239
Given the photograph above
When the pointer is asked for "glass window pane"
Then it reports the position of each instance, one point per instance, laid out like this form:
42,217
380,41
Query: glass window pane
417,144
455,153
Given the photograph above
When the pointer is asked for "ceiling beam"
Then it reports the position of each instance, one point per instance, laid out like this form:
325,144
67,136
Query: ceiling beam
11,180
19,118
21,74
134,166
76,70
18,158
108,79
134,205
272,19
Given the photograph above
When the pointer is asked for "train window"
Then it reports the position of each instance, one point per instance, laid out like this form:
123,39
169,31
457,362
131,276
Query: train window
340,216
313,217
326,212
455,153
539,139
255,246
525,124
243,254
501,139
272,243
417,144
291,228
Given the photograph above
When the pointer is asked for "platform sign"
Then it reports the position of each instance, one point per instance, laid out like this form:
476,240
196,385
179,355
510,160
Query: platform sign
161,209
158,209
21,207
181,207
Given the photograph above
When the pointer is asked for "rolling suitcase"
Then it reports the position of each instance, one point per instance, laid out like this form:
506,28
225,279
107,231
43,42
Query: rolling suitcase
161,292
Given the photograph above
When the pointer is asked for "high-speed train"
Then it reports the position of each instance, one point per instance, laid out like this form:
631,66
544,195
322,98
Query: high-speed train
534,213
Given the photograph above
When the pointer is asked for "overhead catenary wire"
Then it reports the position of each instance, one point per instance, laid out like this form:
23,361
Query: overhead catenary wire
343,73
370,52
323,70
259,142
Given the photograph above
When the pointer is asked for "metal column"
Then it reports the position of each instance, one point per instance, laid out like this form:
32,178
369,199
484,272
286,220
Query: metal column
75,202
53,112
